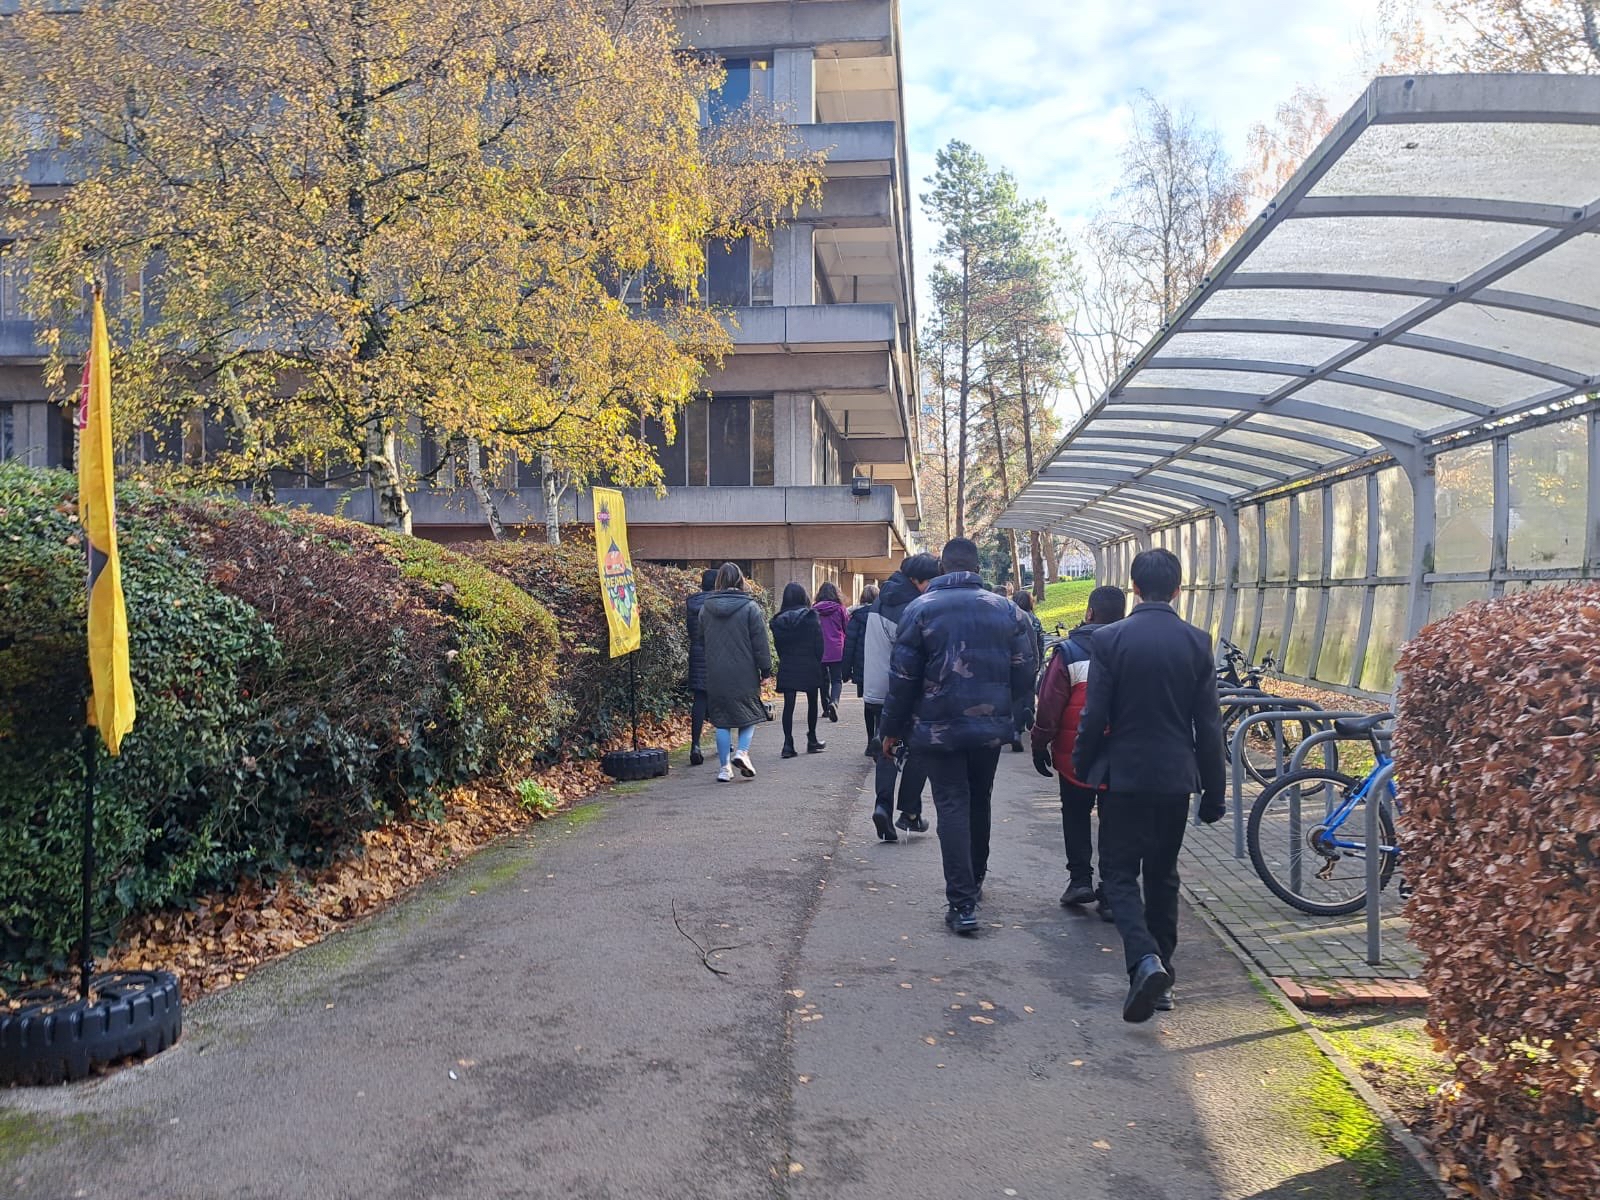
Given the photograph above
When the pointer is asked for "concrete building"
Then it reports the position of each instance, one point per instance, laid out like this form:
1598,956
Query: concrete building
800,462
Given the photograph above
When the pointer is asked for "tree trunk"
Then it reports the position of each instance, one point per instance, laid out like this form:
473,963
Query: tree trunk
383,471
1016,558
1052,558
1005,482
480,489
261,489
553,488
1027,458
1034,538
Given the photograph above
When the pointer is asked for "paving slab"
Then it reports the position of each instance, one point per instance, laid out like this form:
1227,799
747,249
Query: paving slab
543,1023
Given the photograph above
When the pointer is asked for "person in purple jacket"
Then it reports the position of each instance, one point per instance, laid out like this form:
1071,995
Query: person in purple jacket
834,616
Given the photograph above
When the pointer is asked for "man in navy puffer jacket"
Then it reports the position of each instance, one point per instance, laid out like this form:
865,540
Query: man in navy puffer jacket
961,684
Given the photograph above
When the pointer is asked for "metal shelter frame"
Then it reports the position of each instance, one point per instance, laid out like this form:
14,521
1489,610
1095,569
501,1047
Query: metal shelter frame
1388,337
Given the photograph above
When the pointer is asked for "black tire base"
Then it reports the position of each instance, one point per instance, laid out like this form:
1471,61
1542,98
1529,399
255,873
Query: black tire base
55,1037
627,765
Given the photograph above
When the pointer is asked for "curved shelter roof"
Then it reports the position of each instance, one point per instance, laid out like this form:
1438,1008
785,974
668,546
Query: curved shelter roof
1433,267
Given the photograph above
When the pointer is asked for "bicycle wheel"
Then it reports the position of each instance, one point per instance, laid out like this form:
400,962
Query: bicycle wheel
1261,757
1293,850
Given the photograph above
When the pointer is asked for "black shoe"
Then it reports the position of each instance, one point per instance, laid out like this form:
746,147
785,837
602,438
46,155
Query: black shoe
695,757
1016,745
1164,1001
1145,983
880,822
1102,908
815,745
1076,894
962,920
789,751
874,748
912,822
833,713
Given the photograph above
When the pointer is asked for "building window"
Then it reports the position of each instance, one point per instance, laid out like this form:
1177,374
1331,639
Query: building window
739,273
13,282
747,79
8,432
726,441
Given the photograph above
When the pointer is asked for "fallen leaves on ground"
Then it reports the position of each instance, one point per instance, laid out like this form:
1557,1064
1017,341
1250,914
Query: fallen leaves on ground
224,937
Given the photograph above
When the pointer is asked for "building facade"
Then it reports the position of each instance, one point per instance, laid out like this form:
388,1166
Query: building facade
799,462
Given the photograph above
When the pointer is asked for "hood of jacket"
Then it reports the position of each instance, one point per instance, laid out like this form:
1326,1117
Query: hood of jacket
897,592
697,601
824,607
725,604
791,620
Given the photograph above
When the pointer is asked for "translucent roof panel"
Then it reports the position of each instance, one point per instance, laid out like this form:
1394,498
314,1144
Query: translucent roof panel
1453,376
1264,347
1369,310
1412,247
1433,269
1521,333
1546,164
1250,382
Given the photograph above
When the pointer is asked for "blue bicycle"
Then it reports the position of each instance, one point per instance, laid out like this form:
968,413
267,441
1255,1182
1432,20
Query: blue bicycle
1307,831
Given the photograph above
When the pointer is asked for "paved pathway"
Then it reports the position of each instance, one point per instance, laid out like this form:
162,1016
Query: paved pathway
536,1026
1287,943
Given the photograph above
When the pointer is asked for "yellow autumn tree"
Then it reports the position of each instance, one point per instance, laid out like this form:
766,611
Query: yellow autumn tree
337,224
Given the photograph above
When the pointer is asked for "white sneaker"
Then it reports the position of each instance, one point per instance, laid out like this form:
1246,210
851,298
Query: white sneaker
746,767
725,775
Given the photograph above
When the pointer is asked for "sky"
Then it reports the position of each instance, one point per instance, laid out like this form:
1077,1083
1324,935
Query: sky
1045,87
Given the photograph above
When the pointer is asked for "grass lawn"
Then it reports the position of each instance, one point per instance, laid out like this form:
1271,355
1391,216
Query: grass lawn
1394,1052
1064,602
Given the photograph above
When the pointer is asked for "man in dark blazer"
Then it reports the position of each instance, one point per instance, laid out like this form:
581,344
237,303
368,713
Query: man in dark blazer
1152,733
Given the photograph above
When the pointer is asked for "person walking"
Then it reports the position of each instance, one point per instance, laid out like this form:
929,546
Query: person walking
797,637
1024,601
1062,692
738,658
960,682
1151,735
899,590
855,656
831,613
697,664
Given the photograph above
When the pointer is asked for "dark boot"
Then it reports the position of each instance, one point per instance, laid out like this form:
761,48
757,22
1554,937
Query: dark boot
789,751
695,757
1146,982
880,821
814,745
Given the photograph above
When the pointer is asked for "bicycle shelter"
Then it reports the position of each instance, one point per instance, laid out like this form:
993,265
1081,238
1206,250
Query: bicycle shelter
1380,405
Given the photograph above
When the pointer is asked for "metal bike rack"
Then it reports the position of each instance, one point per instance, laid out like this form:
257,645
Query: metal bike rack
1375,795
1321,737
1292,710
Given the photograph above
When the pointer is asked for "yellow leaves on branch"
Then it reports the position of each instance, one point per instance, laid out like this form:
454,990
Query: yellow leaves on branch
385,216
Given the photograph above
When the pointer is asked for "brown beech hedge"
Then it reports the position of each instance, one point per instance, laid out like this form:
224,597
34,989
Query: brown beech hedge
1498,751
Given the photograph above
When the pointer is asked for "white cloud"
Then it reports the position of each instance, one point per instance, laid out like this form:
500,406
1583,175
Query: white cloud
1045,87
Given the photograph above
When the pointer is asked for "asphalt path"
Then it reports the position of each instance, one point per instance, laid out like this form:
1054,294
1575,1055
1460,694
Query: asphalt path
698,990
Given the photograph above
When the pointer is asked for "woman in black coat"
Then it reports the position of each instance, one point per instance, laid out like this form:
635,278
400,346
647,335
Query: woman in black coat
797,637
697,664
738,658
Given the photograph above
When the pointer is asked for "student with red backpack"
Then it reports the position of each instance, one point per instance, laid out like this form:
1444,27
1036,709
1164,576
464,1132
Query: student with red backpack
1062,691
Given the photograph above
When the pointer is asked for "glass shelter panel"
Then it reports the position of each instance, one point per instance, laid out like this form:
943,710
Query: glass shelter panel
1383,641
1244,619
1310,505
1307,607
1396,517
1274,620
1203,538
1349,497
1249,546
1277,547
1340,634
1464,535
1549,492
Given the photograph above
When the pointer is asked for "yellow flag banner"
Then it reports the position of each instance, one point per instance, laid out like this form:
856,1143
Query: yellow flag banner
111,708
617,589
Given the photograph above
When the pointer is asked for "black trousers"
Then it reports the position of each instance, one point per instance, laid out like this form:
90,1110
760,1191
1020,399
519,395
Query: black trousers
1140,837
788,715
697,716
873,711
912,777
963,782
835,685
1076,805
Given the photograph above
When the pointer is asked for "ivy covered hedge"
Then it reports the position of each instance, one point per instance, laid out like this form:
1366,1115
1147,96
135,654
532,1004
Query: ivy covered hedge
300,679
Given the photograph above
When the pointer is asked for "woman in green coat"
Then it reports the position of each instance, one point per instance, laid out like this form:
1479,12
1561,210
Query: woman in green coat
738,658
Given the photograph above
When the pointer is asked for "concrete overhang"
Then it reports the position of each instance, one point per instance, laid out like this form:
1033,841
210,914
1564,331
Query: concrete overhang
814,328
862,29
853,148
853,202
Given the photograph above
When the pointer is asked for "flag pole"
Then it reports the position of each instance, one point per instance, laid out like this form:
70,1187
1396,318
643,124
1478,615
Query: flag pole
85,946
633,694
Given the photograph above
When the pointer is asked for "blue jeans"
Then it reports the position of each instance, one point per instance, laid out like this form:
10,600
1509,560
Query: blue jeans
725,742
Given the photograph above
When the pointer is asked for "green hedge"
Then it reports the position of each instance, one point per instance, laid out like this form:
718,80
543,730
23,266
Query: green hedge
300,679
